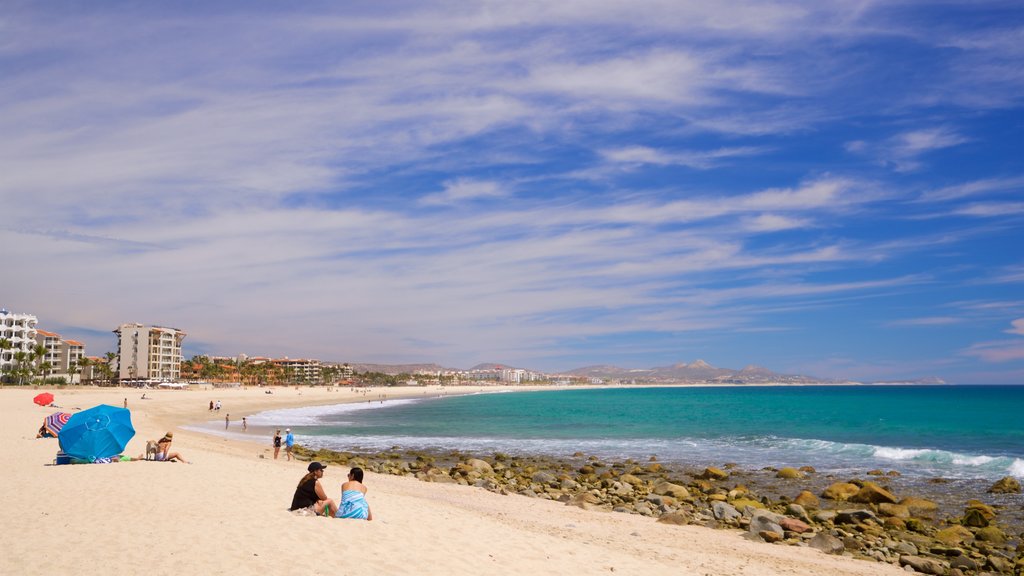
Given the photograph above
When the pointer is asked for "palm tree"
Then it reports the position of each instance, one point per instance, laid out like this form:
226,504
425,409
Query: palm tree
5,345
39,368
77,368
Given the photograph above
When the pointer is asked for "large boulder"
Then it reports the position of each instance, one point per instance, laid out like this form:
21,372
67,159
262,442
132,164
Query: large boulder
826,543
855,517
924,565
840,491
789,473
725,512
542,477
794,525
674,518
871,493
480,466
992,535
585,500
764,521
674,490
896,510
954,536
712,473
807,499
920,506
978,514
1007,485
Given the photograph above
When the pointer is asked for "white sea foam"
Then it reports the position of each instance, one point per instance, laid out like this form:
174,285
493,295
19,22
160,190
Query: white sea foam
314,415
1017,468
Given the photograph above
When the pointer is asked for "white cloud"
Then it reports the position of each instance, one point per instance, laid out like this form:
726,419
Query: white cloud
1018,327
463,189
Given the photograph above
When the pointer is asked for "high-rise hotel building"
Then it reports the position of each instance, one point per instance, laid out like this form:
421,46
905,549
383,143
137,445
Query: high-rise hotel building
19,330
145,352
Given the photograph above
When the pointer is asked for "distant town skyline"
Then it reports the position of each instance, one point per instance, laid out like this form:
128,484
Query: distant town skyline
825,188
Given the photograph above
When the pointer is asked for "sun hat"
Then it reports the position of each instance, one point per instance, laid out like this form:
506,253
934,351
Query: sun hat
314,466
287,429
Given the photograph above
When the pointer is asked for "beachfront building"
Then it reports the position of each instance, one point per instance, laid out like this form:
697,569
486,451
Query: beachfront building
17,334
148,352
62,357
299,369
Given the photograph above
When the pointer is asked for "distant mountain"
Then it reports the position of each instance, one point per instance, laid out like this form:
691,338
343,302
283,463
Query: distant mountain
698,371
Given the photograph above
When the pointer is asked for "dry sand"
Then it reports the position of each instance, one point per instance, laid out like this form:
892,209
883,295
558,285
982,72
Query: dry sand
226,512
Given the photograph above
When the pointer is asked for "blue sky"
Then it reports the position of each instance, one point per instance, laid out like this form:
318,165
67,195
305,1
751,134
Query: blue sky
826,188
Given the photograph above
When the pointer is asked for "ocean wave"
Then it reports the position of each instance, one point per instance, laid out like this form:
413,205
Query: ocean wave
751,452
316,415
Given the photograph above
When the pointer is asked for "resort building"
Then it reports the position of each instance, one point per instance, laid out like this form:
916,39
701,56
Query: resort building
148,352
62,356
18,334
299,369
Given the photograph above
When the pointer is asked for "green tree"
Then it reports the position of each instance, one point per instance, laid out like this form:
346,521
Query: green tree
5,345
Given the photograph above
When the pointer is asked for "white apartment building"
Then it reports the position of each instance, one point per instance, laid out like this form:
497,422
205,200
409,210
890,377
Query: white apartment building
145,352
20,331
300,369
61,355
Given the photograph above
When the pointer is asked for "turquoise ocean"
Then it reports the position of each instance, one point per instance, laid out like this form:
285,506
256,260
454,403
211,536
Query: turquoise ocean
965,432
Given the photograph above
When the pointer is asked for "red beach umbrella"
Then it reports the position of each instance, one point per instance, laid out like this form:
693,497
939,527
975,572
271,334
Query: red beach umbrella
44,399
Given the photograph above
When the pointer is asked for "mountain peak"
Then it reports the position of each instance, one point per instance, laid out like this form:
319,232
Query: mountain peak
700,364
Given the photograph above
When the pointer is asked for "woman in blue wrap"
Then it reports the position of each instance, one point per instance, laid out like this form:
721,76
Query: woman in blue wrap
353,498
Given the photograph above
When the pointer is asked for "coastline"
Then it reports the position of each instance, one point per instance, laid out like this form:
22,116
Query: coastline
225,513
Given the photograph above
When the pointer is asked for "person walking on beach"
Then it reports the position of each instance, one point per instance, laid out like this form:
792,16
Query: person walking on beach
245,426
353,498
126,403
289,441
211,405
277,444
310,494
227,419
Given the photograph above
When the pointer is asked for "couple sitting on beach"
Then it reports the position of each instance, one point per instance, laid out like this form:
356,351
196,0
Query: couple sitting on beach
310,494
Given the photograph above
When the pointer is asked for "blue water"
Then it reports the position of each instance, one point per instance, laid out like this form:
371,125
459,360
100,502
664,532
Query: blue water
949,431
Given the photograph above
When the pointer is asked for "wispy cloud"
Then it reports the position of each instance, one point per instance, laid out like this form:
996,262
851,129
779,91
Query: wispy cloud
902,152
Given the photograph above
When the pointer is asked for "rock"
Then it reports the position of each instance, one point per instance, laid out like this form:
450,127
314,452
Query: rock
1007,485
924,565
584,500
742,503
840,491
770,537
824,516
855,516
974,518
988,512
904,548
920,506
586,469
1000,564
991,534
826,543
764,521
807,469
480,466
724,512
963,562
789,473
542,477
712,473
797,511
876,472
673,490
653,468
872,493
954,536
794,525
674,518
897,510
631,479
894,523
807,499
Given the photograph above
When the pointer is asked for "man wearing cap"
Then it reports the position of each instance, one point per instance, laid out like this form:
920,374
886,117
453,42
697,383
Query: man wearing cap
310,494
289,441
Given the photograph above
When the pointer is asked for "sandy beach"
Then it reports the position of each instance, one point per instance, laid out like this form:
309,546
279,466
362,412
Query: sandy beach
225,513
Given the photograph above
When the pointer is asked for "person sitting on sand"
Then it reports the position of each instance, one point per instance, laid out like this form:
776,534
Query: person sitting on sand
44,432
353,498
163,450
310,494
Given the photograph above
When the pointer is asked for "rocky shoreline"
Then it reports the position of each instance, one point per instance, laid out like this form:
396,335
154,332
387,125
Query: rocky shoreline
942,527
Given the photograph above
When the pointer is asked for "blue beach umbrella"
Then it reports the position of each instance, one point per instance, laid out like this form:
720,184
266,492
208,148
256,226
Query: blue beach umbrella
99,432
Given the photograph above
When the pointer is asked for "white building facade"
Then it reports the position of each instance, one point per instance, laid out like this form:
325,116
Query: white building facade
19,330
148,352
62,356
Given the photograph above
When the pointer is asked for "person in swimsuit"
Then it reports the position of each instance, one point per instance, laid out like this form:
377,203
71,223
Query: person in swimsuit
310,494
163,450
353,498
277,444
